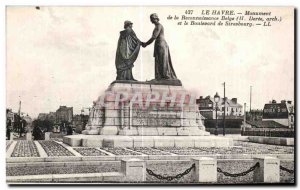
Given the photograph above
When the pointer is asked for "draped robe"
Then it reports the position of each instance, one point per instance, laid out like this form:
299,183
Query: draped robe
127,52
163,63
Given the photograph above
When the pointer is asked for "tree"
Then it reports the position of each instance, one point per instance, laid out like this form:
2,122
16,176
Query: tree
42,126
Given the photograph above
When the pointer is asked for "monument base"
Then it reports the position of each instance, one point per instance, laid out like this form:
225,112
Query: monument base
146,141
170,82
153,108
163,131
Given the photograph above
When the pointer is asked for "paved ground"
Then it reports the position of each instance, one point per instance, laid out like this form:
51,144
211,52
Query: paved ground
54,148
28,149
170,168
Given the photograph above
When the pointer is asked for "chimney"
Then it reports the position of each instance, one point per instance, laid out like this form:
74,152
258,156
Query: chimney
273,101
234,100
289,102
201,97
283,101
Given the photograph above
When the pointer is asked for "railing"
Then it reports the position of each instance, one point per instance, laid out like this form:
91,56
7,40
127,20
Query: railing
170,178
267,132
265,169
202,170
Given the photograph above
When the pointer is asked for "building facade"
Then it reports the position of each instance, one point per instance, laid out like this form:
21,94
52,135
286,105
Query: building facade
64,113
42,116
207,107
282,113
51,116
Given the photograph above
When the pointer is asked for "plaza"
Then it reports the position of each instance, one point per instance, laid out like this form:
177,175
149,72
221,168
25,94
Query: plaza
47,158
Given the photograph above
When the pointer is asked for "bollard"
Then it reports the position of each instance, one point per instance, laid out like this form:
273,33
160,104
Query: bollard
47,136
134,169
205,169
268,170
28,136
11,136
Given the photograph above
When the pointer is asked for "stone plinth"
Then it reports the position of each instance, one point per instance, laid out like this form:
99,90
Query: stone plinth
134,169
205,170
145,109
47,136
29,136
283,141
11,136
268,170
146,141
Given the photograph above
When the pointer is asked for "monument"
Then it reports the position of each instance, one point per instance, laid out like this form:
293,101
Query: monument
153,113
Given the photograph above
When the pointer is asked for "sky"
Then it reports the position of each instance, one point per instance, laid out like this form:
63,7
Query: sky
66,55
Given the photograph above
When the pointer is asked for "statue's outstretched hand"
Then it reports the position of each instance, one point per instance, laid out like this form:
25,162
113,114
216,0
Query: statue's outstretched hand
143,44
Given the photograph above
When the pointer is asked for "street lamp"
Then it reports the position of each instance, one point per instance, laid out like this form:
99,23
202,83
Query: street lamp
216,99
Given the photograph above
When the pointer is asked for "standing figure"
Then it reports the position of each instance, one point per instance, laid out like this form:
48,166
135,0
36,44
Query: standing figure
8,125
163,63
127,52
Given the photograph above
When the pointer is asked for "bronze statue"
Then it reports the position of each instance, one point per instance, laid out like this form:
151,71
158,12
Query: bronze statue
163,63
127,52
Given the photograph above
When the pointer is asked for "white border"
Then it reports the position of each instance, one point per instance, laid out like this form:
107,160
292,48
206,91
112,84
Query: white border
5,3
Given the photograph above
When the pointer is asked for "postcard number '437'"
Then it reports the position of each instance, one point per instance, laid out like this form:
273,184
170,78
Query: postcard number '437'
189,12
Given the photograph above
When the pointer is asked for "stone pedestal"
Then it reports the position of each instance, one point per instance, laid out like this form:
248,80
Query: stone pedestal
134,170
29,136
145,109
146,141
206,170
47,136
111,130
268,170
